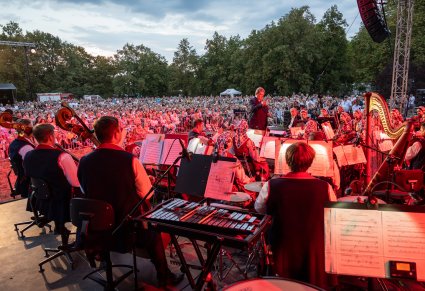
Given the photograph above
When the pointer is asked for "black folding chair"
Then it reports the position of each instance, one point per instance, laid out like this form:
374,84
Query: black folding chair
39,191
95,221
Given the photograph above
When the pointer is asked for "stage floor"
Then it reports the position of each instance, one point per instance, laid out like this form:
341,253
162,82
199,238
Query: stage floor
19,260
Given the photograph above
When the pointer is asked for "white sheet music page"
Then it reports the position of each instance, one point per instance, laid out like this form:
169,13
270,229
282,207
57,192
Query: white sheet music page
281,167
353,242
268,147
328,130
154,137
404,238
152,154
322,165
349,155
220,180
143,150
385,143
170,151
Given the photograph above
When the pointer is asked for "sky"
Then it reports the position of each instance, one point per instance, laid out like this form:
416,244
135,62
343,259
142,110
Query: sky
104,26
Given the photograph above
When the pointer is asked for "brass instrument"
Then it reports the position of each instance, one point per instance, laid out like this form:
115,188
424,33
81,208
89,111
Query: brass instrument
402,133
65,114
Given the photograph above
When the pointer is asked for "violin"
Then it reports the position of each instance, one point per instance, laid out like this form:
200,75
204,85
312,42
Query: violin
65,114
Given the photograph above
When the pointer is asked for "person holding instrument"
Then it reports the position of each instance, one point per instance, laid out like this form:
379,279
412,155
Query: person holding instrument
111,174
415,154
17,152
259,110
59,171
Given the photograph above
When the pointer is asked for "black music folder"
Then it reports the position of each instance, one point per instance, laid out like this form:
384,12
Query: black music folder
192,177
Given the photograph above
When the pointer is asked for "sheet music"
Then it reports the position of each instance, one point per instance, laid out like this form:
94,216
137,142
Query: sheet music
353,243
322,164
268,147
361,242
152,154
171,149
154,137
349,155
328,130
220,180
296,131
255,137
385,143
142,150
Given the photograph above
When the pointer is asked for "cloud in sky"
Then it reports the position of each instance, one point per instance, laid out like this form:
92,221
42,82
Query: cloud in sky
103,27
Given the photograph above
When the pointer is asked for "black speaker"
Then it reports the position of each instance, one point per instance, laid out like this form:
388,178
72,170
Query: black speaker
373,20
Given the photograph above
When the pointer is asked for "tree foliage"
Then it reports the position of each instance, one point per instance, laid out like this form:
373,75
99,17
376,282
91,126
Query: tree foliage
297,53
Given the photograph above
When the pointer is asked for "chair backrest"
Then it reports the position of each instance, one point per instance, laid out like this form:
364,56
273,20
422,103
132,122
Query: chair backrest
403,177
40,188
98,214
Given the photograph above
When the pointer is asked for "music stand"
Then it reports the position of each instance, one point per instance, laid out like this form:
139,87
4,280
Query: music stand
193,175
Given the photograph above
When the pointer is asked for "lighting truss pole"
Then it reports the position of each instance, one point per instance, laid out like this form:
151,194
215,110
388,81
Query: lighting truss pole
401,62
26,46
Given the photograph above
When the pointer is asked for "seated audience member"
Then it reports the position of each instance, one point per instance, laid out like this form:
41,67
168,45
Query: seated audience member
113,175
295,202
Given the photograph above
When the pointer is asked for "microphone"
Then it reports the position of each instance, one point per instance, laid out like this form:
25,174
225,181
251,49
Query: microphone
185,153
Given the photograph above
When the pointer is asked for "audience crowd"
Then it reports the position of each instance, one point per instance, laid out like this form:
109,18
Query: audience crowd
169,114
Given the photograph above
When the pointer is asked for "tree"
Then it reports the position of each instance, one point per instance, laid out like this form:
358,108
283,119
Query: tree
140,71
184,69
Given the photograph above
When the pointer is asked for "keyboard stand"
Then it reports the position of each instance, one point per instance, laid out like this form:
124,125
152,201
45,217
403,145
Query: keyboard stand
207,265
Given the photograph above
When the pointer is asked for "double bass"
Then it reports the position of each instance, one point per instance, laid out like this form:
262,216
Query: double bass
63,118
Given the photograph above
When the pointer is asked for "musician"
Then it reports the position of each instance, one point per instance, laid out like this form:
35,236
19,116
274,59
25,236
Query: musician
17,152
415,154
259,110
358,122
197,130
295,202
324,113
113,175
245,150
304,116
421,114
59,171
295,118
396,118
224,148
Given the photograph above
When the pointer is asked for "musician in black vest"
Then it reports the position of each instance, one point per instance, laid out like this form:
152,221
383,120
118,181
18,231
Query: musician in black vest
59,171
415,154
113,175
17,152
259,110
296,202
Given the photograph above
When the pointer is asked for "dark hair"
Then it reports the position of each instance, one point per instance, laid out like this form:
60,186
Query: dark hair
105,127
197,122
42,131
299,156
